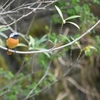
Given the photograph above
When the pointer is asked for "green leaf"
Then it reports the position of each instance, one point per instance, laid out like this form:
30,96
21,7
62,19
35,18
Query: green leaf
47,54
22,45
72,17
92,47
1,42
43,39
30,48
88,51
74,24
32,41
3,29
3,35
46,27
10,75
60,13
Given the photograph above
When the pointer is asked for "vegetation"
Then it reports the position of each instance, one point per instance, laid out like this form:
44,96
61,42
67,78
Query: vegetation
55,61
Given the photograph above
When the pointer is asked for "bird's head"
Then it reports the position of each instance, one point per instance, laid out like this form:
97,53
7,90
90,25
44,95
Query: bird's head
14,35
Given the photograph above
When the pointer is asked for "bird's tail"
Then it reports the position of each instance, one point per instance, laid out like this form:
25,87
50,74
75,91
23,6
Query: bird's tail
9,52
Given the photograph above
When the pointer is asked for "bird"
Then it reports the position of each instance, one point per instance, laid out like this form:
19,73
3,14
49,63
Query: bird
12,42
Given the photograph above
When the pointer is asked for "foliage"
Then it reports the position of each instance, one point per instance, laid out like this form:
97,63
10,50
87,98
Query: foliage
66,19
1,32
49,69
80,8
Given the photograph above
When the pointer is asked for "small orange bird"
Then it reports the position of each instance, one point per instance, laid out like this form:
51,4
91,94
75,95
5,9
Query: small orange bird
12,41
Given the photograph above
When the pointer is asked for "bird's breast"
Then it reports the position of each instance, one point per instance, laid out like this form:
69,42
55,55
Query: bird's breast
12,43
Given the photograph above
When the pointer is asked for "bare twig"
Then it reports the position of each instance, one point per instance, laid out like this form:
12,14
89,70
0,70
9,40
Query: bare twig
7,6
26,7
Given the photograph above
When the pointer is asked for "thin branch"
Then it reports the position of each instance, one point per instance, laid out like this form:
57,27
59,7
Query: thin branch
32,95
89,30
4,4
54,48
32,10
69,79
7,5
28,96
30,25
23,16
